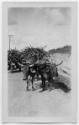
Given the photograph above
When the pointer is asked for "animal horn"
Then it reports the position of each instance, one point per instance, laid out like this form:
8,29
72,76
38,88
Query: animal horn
60,63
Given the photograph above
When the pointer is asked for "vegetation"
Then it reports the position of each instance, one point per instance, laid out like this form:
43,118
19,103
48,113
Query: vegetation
28,55
14,56
33,54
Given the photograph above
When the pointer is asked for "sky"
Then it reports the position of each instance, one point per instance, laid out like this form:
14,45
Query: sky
44,26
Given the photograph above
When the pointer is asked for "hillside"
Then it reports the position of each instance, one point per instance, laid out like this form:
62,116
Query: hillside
65,49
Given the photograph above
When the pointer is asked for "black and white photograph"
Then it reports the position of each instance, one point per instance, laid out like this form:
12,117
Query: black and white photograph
39,62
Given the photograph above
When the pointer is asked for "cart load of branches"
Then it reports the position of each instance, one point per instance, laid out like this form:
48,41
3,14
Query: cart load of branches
32,55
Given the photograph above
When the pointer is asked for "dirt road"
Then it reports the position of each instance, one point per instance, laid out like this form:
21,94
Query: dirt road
36,103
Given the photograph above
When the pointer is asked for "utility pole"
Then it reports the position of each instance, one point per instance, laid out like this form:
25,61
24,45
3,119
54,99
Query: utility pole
10,38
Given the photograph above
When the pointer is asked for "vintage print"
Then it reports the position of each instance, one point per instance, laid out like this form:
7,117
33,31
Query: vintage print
39,54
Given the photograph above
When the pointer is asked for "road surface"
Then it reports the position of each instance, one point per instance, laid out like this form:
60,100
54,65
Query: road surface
36,103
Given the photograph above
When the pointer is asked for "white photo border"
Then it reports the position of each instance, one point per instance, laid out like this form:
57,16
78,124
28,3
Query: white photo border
5,116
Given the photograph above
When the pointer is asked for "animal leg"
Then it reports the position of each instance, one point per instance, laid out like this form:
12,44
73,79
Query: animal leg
43,84
32,84
27,85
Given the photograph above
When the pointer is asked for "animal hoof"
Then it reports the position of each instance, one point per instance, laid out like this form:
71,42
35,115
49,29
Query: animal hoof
24,78
33,89
27,89
44,88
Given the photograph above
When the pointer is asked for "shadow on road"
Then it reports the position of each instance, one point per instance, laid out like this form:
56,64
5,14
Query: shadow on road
54,85
59,85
